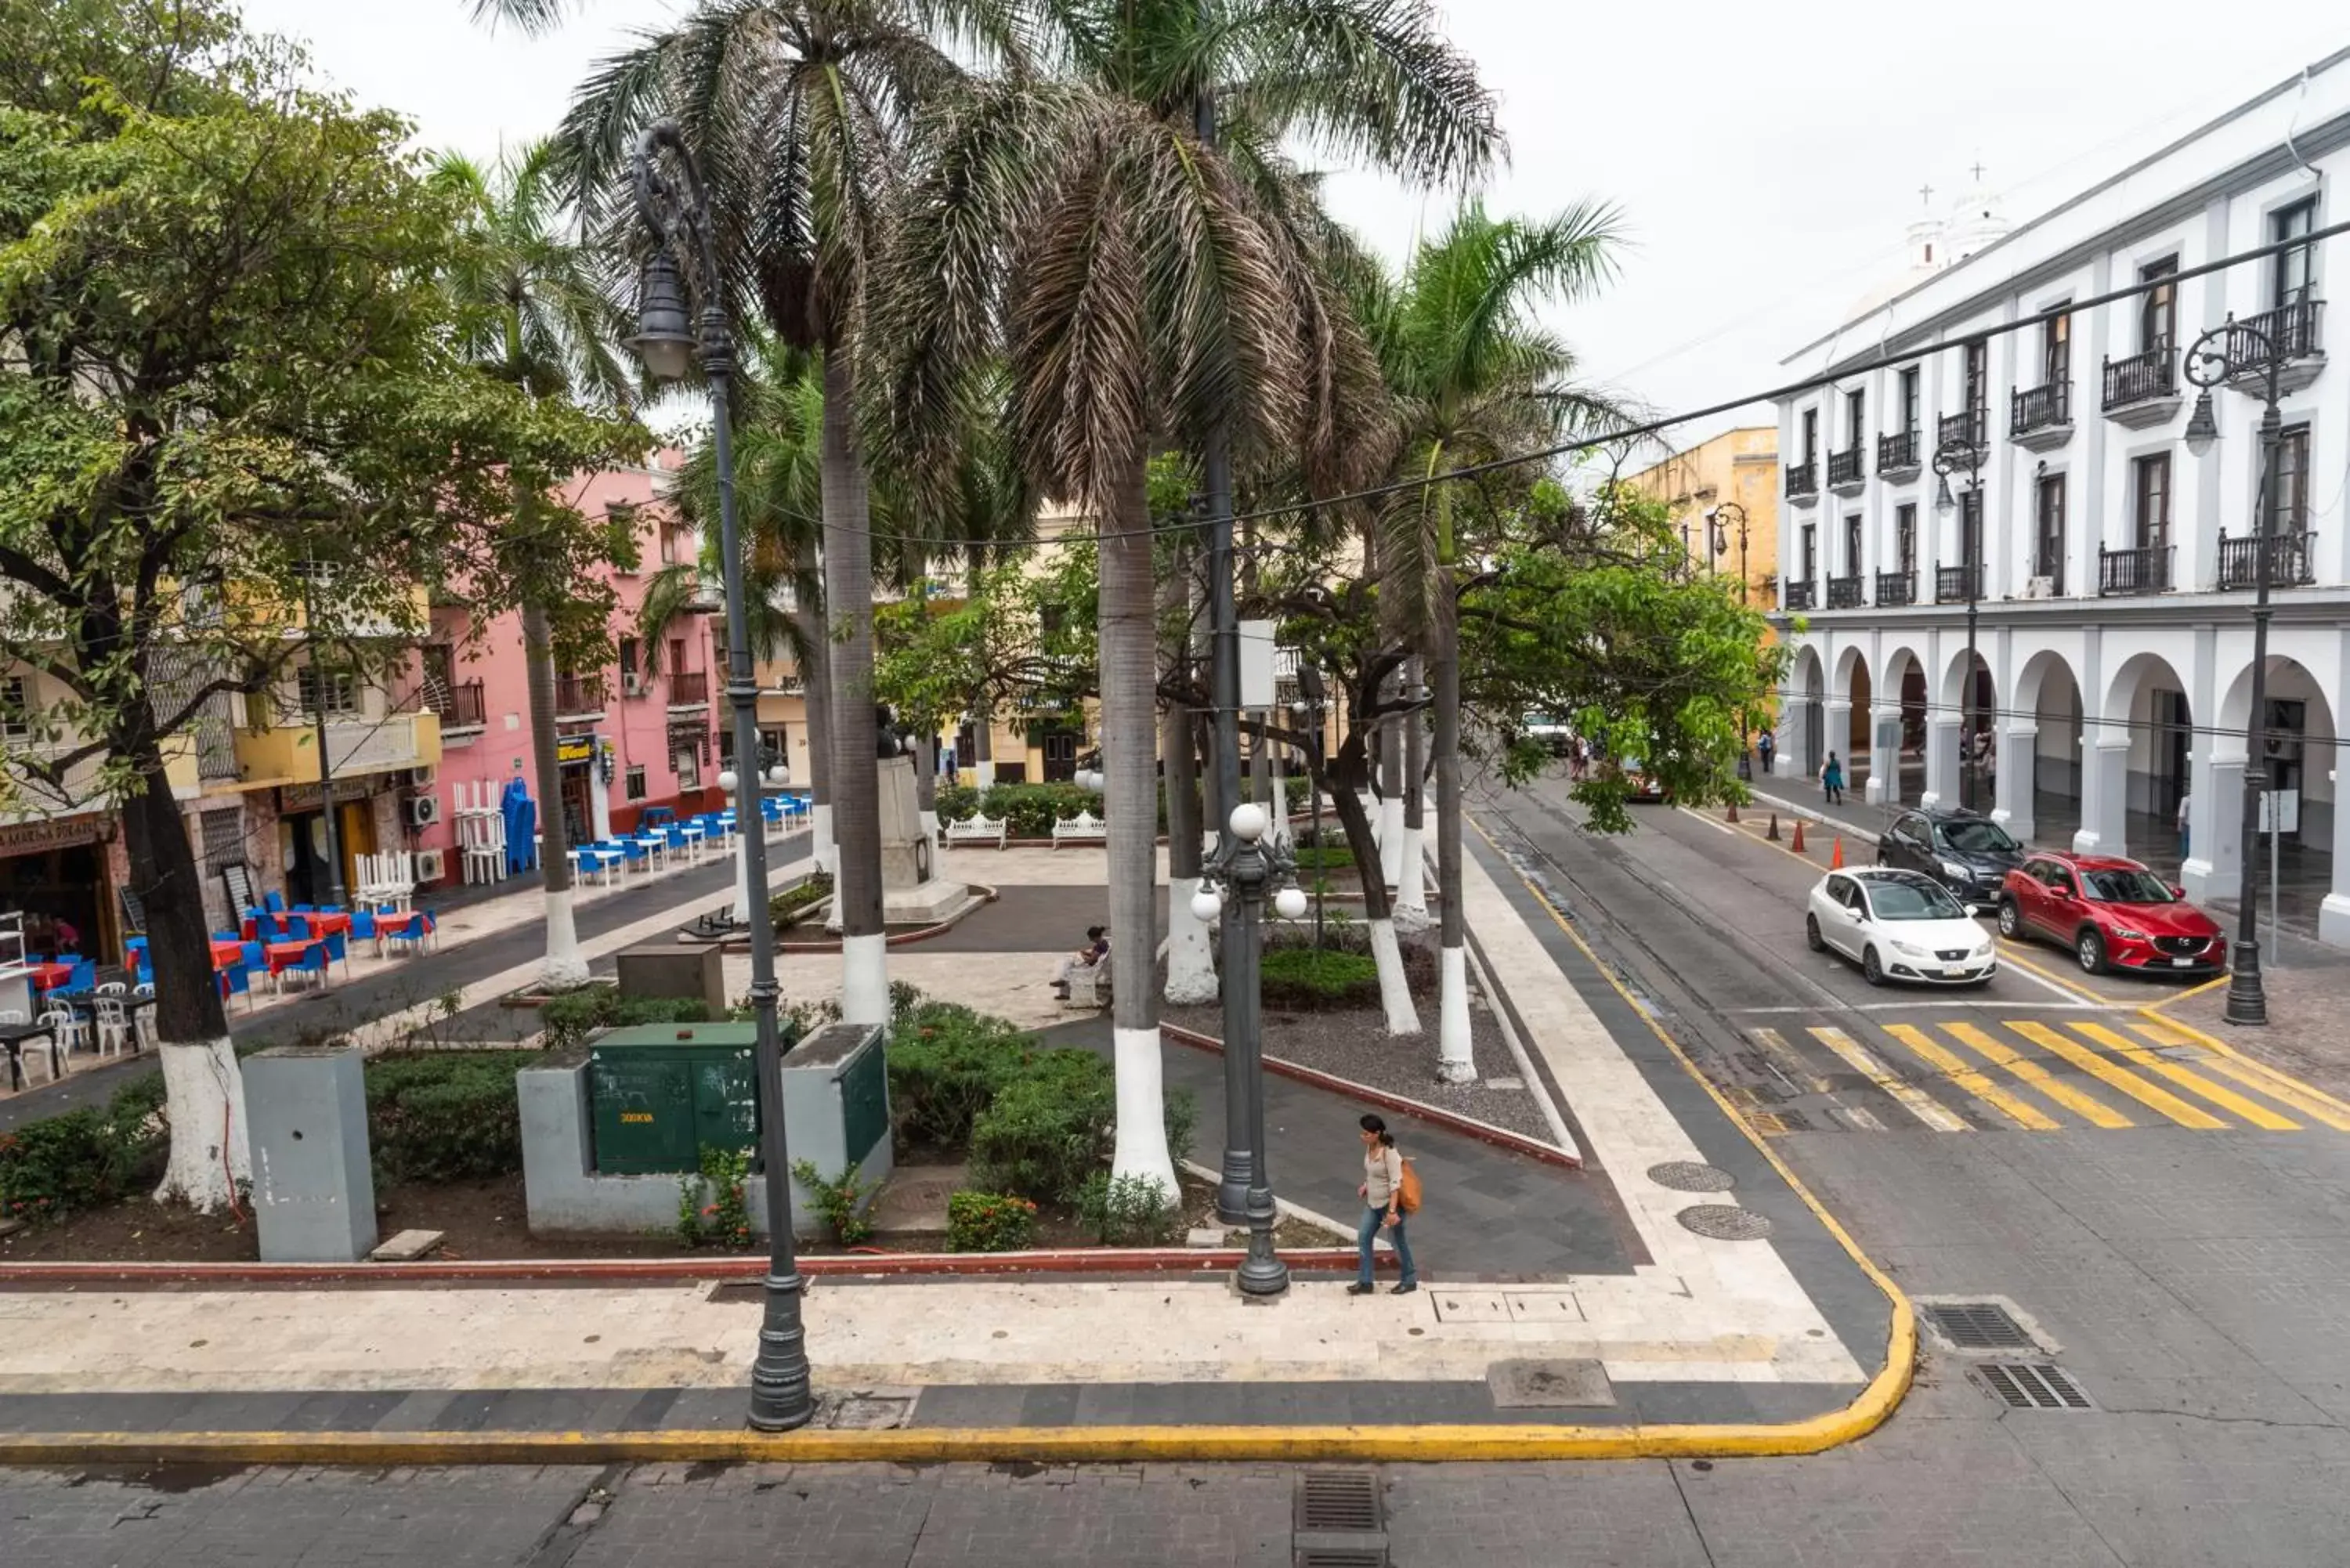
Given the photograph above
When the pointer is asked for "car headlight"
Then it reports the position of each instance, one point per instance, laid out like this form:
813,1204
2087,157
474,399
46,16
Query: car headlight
2129,936
1983,951
1956,872
1910,948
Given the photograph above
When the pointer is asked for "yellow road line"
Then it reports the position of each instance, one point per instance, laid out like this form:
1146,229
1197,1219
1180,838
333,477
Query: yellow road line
1790,1060
2270,1081
2089,1109
2227,1099
1967,1078
2151,1095
1912,1098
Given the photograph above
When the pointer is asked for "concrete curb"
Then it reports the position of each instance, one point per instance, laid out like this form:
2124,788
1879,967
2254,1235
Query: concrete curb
1813,814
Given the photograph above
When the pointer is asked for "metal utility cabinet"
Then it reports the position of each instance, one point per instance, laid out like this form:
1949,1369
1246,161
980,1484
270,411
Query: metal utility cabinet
660,1093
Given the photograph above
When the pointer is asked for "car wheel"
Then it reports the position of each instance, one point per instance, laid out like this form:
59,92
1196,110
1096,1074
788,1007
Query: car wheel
2090,949
1870,969
2011,921
1818,943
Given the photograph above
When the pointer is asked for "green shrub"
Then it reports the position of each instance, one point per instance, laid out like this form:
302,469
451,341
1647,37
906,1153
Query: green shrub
946,1062
956,802
1319,978
1324,857
989,1222
837,1200
1182,1112
1127,1210
570,1018
1047,1130
445,1115
798,902
712,1209
88,1157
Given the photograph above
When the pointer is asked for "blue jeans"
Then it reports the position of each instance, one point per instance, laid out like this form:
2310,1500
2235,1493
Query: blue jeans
1372,1219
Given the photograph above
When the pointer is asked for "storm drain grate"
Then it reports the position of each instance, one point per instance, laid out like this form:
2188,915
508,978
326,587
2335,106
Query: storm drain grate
2032,1386
1338,1521
1979,1325
1341,1557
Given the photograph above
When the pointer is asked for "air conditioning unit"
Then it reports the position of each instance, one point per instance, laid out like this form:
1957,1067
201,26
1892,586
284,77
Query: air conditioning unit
424,778
2039,587
632,684
424,810
430,866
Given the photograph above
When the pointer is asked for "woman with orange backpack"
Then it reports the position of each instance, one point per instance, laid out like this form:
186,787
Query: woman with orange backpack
1390,1191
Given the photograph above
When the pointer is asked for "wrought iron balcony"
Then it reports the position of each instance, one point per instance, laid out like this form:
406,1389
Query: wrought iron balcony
1895,589
2040,417
461,706
688,687
1795,595
2291,562
1957,584
2141,571
2289,333
1845,473
1802,481
2142,389
1960,429
1844,592
1898,456
579,694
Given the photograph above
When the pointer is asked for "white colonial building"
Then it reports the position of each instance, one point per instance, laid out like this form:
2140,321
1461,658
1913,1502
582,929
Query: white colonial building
2113,670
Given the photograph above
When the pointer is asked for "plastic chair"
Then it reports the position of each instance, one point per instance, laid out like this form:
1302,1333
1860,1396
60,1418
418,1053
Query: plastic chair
236,979
116,988
84,975
67,1030
113,1026
275,902
256,960
314,961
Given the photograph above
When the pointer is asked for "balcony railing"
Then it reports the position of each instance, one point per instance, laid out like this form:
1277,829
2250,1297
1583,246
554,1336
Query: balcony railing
1795,595
1843,467
463,706
2146,570
1895,589
579,694
1844,592
2289,333
2290,563
1960,429
1803,479
1897,452
2142,376
2038,408
687,686
1957,584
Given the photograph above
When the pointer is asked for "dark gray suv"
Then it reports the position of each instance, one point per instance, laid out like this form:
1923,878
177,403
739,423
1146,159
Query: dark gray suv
1965,852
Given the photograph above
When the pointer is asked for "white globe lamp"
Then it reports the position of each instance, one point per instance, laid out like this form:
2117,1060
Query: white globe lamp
728,782
1206,906
1290,903
1248,820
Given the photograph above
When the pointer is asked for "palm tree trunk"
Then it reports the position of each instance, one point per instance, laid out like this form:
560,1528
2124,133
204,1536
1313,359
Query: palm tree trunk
1454,1062
1191,957
815,687
1411,888
856,774
1129,683
564,970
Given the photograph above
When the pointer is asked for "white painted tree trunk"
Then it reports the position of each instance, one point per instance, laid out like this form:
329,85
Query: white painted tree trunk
1455,1063
1142,1147
865,979
565,968
983,771
1395,991
1391,840
205,1091
820,844
1279,805
742,881
1191,957
1411,888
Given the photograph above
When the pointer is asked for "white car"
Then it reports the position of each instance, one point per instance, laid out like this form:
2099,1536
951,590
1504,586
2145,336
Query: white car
1898,925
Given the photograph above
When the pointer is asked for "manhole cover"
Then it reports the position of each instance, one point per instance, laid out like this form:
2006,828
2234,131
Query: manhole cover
1338,1521
1978,1325
1724,1223
1689,1176
2031,1385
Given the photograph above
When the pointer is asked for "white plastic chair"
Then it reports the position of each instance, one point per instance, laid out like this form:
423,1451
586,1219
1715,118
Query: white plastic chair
113,1026
67,1030
114,988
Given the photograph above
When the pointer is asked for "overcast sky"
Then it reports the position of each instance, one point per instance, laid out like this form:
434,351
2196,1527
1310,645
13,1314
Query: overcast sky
1767,160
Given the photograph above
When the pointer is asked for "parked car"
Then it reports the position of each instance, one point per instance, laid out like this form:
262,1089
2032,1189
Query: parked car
1963,850
1898,925
2113,913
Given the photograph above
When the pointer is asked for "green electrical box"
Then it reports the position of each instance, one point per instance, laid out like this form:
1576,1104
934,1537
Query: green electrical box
658,1093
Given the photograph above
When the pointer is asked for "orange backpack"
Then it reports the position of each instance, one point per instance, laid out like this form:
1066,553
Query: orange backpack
1408,1189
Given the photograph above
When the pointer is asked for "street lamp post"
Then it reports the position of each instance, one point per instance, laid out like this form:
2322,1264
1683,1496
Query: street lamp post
1718,520
1949,458
1246,867
677,212
2221,355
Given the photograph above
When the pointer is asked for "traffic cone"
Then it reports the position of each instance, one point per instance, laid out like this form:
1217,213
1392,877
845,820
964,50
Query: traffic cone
1836,856
1798,846
1773,834
1733,813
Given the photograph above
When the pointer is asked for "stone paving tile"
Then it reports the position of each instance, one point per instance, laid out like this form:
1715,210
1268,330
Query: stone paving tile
1539,1516
715,1516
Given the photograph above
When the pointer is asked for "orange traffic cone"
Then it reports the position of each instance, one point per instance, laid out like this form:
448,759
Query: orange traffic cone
1773,834
1835,858
1798,846
1733,813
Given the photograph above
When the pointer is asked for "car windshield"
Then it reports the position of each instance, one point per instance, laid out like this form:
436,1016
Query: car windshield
1979,838
2134,886
1912,901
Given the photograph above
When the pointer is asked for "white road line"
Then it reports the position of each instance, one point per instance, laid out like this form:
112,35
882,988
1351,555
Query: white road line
2056,986
1717,826
1910,1097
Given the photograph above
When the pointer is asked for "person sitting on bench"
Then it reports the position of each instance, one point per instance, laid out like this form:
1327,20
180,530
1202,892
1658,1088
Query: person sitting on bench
1096,949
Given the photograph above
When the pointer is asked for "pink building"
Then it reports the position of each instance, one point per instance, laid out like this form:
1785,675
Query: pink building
628,740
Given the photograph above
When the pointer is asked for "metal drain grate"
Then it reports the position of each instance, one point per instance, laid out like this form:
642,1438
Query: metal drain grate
2032,1386
1341,1557
1979,1325
1338,1521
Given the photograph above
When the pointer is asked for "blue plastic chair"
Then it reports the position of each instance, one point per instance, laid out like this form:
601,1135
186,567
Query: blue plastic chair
314,961
275,902
84,976
237,979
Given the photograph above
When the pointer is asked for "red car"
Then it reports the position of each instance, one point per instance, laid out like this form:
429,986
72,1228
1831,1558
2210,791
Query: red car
2113,913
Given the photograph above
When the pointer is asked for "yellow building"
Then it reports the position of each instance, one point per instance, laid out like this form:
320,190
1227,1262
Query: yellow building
1708,487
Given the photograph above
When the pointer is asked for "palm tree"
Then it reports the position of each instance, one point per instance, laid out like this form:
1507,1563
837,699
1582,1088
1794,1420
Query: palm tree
531,310
1147,290
1476,377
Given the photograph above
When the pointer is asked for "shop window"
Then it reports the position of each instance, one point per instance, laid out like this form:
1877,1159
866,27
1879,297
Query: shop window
637,790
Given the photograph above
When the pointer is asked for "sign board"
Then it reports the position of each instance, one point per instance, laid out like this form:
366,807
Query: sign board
2280,811
242,895
574,748
50,833
305,798
1256,664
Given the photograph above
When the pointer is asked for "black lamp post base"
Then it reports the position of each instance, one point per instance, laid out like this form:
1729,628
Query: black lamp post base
717,926
2248,1000
782,1399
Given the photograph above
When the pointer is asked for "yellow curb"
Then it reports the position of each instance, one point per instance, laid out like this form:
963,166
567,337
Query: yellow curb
2153,1012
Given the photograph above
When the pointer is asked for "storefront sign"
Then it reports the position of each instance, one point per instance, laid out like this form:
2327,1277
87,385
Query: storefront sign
51,832
305,798
574,748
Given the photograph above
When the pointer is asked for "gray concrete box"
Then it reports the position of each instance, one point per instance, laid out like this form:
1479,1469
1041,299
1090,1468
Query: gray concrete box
305,1121
676,970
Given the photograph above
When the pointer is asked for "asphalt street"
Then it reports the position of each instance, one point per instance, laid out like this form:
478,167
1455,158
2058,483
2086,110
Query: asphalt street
2163,1226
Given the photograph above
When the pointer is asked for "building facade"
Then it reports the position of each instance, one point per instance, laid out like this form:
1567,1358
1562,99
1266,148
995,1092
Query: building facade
1723,494
2057,627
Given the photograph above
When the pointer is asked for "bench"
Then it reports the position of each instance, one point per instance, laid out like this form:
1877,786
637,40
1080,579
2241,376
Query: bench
1083,828
977,828
1088,989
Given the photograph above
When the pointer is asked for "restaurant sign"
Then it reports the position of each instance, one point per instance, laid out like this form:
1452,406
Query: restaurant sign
575,748
49,833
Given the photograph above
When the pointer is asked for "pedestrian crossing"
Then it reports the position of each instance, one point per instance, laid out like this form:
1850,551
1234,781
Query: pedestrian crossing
2034,1076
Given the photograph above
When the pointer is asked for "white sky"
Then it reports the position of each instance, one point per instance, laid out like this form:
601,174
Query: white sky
1767,159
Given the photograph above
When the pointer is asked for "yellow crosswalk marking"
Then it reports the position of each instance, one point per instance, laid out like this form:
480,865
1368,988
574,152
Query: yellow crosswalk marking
2152,1095
2227,1099
1790,1060
1910,1097
1967,1078
2313,1103
2091,1109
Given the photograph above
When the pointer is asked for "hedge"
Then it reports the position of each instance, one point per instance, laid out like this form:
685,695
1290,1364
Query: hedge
85,1158
570,1018
1317,978
946,1063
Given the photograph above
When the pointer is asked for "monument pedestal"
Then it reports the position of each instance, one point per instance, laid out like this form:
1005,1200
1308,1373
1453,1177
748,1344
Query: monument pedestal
912,891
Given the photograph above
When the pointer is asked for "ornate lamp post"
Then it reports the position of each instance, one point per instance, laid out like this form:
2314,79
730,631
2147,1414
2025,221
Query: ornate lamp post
676,210
2220,354
1245,866
1950,457
1718,520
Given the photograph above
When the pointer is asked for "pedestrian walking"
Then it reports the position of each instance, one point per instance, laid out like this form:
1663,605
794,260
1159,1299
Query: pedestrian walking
1765,746
949,760
1832,780
1383,1196
2186,798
